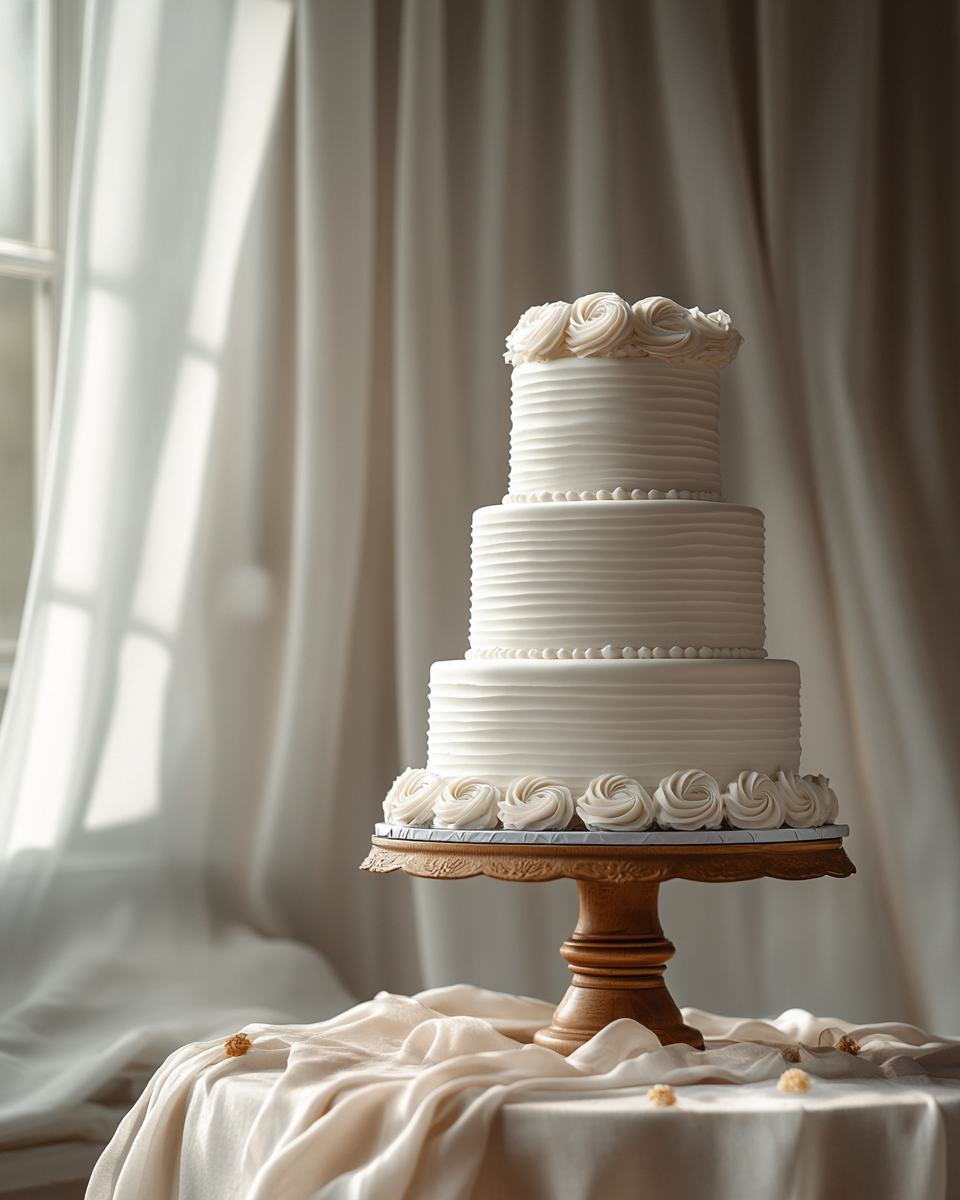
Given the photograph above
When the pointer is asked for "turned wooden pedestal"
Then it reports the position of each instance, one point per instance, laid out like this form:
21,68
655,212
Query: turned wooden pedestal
618,952
618,955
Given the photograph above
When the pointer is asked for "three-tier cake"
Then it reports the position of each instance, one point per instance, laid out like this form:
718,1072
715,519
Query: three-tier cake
616,676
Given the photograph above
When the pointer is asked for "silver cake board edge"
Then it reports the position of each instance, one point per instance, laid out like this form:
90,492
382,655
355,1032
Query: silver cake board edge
587,837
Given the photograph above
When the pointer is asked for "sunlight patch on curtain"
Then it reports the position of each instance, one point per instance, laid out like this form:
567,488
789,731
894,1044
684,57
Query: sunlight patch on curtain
175,505
128,783
104,379
120,176
258,45
54,730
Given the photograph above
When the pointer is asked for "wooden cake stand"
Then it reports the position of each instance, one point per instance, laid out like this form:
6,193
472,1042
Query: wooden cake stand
617,953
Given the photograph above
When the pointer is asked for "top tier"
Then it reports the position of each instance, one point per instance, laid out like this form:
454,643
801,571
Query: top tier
609,397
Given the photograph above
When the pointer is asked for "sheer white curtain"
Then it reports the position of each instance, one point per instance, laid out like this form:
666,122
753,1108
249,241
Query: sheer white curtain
256,534
112,759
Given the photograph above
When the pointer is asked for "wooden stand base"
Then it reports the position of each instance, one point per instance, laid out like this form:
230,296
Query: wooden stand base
617,953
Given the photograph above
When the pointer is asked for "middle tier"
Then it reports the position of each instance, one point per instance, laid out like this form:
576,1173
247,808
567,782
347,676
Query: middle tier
575,575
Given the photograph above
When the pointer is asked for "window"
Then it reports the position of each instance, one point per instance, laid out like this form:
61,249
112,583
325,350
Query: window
39,77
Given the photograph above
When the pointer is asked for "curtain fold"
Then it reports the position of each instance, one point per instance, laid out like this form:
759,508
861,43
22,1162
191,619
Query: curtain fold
281,396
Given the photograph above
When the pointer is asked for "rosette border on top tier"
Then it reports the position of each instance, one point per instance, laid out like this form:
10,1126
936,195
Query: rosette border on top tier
685,800
604,325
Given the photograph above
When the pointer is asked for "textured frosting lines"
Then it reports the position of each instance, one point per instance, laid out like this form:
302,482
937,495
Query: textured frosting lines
598,424
603,324
664,573
645,719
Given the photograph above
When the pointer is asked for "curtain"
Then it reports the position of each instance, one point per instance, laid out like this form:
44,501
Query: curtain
299,236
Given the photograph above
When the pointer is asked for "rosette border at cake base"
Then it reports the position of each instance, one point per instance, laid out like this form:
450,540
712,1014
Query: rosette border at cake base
688,801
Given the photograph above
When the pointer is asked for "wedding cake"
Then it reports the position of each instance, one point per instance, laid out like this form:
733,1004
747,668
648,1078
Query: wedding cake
616,677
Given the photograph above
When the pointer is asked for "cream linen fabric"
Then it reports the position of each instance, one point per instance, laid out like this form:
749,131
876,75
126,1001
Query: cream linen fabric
397,1097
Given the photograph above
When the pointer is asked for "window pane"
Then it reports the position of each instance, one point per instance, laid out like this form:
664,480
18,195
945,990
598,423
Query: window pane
16,447
17,118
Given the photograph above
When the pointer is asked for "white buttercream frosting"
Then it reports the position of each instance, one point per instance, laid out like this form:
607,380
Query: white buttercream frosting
643,718
535,802
802,802
581,577
598,426
689,800
411,799
752,801
618,493
616,802
467,803
611,651
603,324
685,800
615,643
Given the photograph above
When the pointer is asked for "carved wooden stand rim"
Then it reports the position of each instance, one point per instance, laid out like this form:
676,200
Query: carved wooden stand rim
618,952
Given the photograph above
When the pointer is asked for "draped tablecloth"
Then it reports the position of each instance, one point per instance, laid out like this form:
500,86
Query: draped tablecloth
443,1096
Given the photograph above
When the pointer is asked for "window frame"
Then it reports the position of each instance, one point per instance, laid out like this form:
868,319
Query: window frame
59,39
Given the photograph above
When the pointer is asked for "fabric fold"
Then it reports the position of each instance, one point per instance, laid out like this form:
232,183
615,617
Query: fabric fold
397,1096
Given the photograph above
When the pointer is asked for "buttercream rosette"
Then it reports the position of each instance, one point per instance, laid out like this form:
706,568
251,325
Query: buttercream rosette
540,334
802,801
603,325
467,803
536,803
719,342
664,329
829,804
752,801
599,323
616,802
689,800
411,799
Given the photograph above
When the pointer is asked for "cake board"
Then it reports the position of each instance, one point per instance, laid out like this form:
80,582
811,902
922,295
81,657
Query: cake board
618,952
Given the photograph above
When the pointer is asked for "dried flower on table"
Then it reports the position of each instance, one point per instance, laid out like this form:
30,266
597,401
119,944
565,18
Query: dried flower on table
237,1045
794,1080
662,1095
848,1044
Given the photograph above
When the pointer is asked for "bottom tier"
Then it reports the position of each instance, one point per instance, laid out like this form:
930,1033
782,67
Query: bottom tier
644,718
